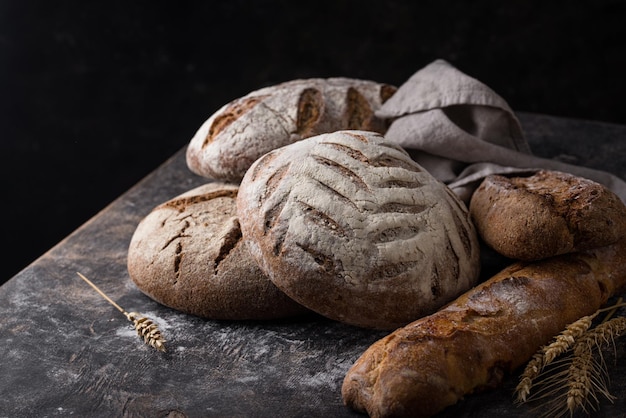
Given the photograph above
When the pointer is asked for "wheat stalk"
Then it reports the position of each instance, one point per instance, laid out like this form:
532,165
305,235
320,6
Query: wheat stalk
547,354
578,380
584,374
588,376
531,371
566,339
145,327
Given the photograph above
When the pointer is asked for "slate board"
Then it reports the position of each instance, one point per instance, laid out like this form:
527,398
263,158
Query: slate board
67,352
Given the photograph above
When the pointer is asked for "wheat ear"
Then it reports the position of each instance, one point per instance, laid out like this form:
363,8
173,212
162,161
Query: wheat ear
531,371
546,355
145,327
577,380
587,377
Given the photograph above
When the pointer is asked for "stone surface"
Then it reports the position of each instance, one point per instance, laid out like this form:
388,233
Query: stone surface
66,351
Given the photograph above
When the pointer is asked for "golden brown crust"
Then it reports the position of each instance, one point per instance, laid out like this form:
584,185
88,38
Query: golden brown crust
549,213
472,343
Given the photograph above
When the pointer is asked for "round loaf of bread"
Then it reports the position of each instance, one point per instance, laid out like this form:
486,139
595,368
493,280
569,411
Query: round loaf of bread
546,214
352,228
187,253
243,130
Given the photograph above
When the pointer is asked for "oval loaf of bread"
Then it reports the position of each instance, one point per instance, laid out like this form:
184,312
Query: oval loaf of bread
187,254
352,228
243,130
473,343
546,214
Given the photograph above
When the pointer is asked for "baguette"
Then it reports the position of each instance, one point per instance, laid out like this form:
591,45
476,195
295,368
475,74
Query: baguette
485,334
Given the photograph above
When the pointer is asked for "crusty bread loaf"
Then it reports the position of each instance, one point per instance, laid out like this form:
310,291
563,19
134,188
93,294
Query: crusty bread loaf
187,254
482,336
246,128
546,214
352,228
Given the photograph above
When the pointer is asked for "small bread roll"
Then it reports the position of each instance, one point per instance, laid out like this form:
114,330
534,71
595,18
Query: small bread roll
546,214
352,228
188,254
243,130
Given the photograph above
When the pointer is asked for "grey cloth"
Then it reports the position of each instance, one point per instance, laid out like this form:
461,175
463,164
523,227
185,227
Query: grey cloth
460,130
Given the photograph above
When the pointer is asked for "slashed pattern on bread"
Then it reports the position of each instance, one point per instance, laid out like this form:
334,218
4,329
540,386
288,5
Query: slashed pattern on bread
477,340
187,253
352,228
243,130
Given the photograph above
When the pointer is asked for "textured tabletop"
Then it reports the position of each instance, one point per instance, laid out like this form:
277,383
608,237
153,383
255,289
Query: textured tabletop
67,352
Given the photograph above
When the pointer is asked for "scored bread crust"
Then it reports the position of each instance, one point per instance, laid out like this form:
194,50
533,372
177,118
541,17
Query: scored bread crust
546,214
187,254
243,130
352,228
484,335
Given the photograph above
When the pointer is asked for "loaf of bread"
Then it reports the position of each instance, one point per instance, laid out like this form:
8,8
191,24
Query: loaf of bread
546,214
243,130
471,344
187,254
352,228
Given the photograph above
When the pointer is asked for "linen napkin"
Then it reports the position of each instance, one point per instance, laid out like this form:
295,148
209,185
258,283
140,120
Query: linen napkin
460,130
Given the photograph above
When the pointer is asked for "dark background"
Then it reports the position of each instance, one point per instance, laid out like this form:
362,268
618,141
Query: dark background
95,95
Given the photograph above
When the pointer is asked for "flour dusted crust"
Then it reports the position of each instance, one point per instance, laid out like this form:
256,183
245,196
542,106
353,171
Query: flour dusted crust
352,228
243,130
187,254
546,214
